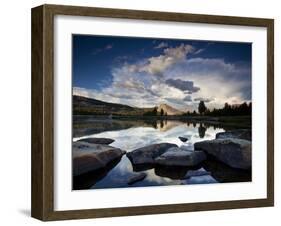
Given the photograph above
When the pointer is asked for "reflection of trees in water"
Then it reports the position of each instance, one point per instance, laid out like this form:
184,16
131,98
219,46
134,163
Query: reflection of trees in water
161,124
201,131
154,124
83,126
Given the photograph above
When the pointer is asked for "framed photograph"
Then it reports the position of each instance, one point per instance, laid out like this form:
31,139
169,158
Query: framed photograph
141,112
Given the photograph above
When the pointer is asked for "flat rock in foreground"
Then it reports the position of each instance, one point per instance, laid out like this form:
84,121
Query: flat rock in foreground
236,153
95,140
178,157
89,157
147,155
245,134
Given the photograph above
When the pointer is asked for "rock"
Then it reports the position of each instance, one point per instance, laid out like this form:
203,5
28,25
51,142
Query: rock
196,173
95,140
89,179
89,157
136,177
172,172
183,139
177,157
239,134
236,153
188,147
208,179
147,155
226,174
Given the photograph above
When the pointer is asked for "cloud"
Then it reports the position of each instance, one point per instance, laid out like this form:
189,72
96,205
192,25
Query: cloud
100,50
187,99
206,100
173,77
109,46
198,51
175,100
171,56
161,45
187,86
226,82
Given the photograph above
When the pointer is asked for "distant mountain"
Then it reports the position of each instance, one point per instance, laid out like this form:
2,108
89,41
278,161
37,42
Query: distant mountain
90,106
169,110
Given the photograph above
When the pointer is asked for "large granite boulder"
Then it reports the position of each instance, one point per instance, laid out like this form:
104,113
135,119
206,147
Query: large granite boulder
177,157
147,155
89,157
95,140
239,134
236,153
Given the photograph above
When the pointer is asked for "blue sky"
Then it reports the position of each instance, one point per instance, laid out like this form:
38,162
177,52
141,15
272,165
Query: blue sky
145,72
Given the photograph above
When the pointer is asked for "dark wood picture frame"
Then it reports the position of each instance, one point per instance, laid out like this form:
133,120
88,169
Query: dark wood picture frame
43,120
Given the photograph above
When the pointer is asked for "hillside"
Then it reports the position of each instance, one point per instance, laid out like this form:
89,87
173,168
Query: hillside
89,106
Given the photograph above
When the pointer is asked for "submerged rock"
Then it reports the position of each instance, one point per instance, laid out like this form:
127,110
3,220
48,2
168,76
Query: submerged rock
188,147
226,174
89,157
147,155
94,140
136,177
183,139
196,173
236,153
177,157
239,133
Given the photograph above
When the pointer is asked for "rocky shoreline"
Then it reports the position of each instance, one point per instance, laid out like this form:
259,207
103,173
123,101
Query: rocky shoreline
231,149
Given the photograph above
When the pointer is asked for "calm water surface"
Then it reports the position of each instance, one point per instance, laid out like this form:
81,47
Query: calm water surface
140,134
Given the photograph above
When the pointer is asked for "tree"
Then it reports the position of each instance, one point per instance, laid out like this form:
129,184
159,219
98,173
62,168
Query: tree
201,107
162,112
154,111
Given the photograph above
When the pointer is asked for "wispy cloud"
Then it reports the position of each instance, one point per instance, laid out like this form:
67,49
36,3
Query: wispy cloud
100,50
161,45
198,51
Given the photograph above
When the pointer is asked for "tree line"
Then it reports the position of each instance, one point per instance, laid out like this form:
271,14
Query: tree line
155,112
227,110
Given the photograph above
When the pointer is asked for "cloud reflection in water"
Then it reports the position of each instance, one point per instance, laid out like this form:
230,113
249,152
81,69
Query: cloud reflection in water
137,137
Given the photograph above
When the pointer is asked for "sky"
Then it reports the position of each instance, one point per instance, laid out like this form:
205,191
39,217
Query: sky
146,72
